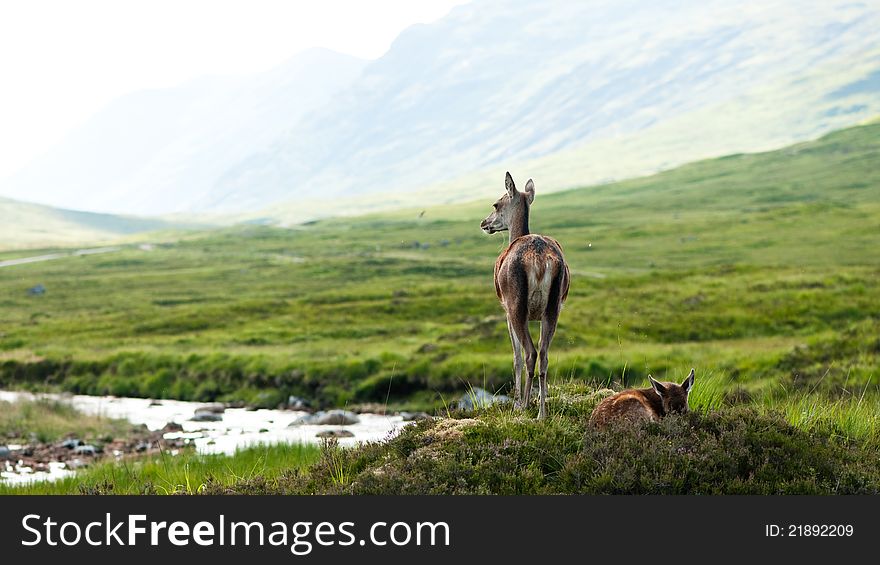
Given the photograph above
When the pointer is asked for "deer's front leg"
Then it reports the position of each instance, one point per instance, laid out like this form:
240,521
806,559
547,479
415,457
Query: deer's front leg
531,360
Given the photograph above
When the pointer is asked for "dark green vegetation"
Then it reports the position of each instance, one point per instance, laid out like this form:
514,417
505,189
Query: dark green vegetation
735,450
759,270
185,473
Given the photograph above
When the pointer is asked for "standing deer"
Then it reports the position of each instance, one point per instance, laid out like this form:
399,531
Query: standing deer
531,281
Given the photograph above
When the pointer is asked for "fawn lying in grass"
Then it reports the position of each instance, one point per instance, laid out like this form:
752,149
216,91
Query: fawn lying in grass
644,403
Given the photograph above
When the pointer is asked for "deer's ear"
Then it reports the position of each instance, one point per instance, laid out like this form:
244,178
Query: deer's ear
530,191
688,383
658,388
508,184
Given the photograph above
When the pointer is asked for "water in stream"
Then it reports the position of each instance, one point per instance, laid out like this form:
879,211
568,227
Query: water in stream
238,428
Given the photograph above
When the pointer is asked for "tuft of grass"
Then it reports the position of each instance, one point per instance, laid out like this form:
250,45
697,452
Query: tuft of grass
850,419
334,462
711,391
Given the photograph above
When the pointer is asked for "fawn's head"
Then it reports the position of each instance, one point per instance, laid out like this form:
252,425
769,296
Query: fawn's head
674,396
512,204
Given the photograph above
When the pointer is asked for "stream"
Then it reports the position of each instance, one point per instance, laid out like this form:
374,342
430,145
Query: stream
239,427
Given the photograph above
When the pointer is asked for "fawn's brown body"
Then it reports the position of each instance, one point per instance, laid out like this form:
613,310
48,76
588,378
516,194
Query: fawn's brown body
651,403
531,281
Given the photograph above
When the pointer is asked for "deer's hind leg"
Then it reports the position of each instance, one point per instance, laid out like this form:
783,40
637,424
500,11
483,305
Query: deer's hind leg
548,329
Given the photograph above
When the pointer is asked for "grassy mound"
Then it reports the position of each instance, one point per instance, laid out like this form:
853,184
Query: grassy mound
733,450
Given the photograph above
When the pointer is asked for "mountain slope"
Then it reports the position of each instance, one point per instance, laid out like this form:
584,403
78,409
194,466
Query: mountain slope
569,93
27,225
579,92
160,151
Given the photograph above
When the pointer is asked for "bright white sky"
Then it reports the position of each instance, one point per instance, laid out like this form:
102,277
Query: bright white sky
62,60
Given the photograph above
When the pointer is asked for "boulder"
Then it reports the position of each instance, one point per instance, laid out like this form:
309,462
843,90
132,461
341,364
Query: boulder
213,408
297,403
37,290
85,450
328,418
171,427
334,434
206,417
336,418
479,398
5,453
305,419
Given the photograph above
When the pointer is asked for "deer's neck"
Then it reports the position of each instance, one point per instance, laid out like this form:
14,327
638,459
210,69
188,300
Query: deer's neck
520,224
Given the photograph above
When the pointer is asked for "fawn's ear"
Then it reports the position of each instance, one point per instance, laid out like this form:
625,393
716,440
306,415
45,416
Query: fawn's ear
508,184
658,388
688,383
530,191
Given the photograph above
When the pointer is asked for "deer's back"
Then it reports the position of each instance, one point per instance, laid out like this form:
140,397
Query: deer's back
633,404
529,267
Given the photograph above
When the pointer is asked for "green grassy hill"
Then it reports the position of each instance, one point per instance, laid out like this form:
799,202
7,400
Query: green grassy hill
26,225
760,270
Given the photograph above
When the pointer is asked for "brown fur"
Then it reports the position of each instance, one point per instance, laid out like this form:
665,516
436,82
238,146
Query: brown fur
531,281
533,254
639,404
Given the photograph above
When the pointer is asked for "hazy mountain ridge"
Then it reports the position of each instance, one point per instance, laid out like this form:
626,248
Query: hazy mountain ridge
570,93
160,151
497,85
27,225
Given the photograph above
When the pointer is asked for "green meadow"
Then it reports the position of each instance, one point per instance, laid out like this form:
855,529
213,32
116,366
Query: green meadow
761,271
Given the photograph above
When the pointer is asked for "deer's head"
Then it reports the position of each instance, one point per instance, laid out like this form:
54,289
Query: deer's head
511,204
674,396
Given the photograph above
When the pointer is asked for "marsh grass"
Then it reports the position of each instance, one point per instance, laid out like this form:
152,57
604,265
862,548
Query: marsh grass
852,418
50,420
183,473
711,392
